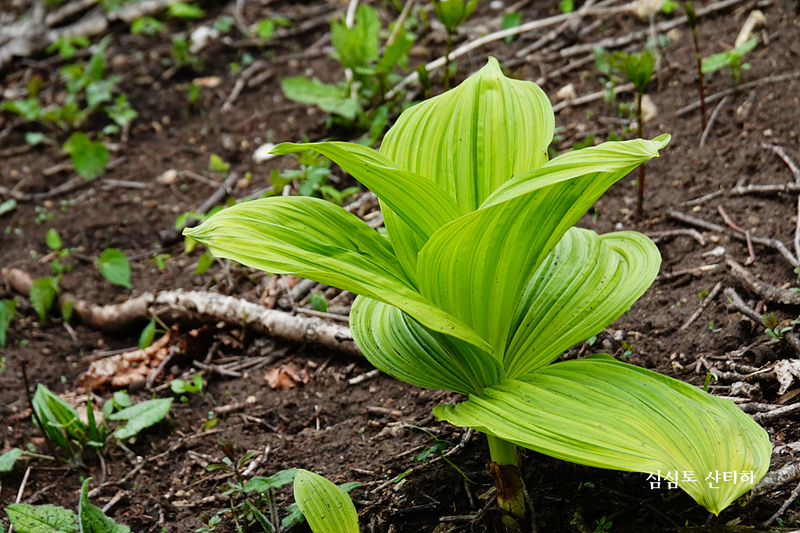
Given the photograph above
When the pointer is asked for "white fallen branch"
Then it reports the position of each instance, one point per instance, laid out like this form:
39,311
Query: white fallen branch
179,305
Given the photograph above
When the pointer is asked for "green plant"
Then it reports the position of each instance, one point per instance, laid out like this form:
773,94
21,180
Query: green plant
252,501
88,157
114,266
638,68
326,507
180,386
452,13
360,100
62,425
146,26
7,310
773,327
26,518
88,89
602,525
691,18
483,282
730,59
67,45
43,295
311,179
182,55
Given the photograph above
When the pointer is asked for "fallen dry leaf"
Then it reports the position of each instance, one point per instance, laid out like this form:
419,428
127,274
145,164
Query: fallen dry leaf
787,370
286,376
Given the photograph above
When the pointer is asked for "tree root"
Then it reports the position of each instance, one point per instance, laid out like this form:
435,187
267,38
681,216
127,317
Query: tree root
200,306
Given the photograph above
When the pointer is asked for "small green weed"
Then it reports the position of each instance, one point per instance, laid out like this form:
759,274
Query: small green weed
27,518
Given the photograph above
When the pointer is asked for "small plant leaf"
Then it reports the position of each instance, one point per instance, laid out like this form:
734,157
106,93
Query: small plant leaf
333,99
275,481
148,334
511,20
217,164
7,310
204,263
182,10
89,158
7,206
114,266
42,519
53,239
43,294
141,416
59,419
327,508
34,138
8,459
92,519
357,46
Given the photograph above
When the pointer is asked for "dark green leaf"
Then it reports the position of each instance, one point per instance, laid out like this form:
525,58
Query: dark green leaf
92,519
42,519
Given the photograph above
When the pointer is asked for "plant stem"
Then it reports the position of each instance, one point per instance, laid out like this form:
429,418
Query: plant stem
510,489
448,49
700,77
639,130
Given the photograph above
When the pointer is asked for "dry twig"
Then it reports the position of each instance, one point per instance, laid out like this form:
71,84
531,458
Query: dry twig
711,295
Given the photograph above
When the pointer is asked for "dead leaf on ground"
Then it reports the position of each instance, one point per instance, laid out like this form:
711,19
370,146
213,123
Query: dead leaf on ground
286,376
787,370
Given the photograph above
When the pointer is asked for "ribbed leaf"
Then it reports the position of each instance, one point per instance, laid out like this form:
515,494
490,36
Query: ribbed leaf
469,141
398,345
421,204
317,240
603,413
475,137
477,266
585,284
327,508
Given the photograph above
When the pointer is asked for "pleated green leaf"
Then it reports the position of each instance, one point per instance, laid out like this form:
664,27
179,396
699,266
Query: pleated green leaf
317,240
469,141
477,266
585,284
327,508
603,413
476,137
399,346
420,204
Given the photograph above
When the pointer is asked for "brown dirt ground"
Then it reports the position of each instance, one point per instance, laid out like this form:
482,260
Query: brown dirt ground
324,424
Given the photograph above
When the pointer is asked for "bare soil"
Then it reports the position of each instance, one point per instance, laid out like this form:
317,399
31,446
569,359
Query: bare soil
328,424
